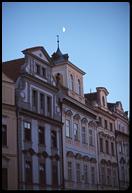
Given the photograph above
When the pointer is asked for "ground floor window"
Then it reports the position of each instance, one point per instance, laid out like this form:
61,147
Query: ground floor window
4,179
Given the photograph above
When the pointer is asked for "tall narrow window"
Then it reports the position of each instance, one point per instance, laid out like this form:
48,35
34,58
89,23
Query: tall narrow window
91,137
85,174
53,139
34,100
78,172
103,175
48,105
41,135
93,175
42,103
67,128
111,127
114,177
69,170
103,100
38,69
43,72
101,145
79,87
76,132
105,122
54,174
123,173
27,131
100,121
107,147
4,135
42,174
108,176
83,135
28,172
4,179
71,82
112,149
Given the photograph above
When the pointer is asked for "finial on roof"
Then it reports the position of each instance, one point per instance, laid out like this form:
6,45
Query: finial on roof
58,40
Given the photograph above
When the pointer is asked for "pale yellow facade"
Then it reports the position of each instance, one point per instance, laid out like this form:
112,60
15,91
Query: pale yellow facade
9,137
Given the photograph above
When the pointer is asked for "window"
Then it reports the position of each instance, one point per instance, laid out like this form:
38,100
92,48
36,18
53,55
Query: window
105,122
79,87
123,173
108,176
43,72
71,82
100,121
38,69
103,100
83,135
120,147
34,98
103,175
78,172
85,174
54,174
4,135
107,147
112,149
92,175
41,135
42,174
28,172
42,103
27,131
76,134
53,139
48,105
111,127
101,145
4,179
114,177
69,169
90,137
67,128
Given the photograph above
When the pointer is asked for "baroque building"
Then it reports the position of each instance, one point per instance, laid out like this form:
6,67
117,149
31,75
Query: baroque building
79,126
122,143
39,121
9,135
107,157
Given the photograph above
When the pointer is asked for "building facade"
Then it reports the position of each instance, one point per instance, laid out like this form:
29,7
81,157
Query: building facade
65,139
79,129
107,157
122,143
9,135
39,122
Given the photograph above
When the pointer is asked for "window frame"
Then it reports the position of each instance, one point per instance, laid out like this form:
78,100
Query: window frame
4,135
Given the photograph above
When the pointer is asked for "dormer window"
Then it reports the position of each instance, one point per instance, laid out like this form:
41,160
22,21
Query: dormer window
103,100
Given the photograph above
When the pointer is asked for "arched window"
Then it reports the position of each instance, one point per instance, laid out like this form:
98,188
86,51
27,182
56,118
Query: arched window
79,87
103,100
71,82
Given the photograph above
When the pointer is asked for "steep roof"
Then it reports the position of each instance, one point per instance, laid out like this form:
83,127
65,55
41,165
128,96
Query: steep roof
12,68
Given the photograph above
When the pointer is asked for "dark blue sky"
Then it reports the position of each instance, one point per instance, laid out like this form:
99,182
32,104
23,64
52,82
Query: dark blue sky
97,39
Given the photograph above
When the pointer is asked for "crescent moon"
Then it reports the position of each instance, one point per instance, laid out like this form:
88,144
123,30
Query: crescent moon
63,29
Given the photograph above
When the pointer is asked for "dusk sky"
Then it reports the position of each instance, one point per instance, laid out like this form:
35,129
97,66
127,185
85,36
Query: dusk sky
96,38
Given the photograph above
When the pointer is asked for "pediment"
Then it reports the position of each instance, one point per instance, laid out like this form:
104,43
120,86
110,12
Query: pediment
40,54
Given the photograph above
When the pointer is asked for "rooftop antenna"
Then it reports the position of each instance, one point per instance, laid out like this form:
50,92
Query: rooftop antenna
58,40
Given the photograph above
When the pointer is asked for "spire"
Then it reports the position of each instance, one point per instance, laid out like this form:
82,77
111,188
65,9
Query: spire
58,41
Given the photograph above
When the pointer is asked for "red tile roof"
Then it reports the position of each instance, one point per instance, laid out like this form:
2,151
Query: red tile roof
12,68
